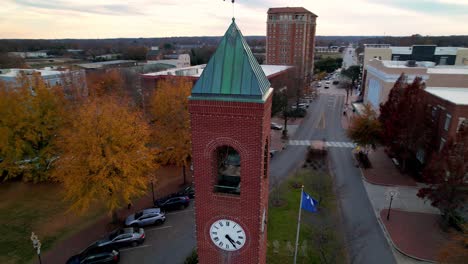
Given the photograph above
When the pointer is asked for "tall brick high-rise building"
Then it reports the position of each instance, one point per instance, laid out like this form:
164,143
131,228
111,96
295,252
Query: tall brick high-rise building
291,38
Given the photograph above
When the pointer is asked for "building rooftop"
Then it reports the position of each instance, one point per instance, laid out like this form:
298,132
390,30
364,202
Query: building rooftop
448,70
195,71
94,65
232,73
458,96
278,10
404,64
13,73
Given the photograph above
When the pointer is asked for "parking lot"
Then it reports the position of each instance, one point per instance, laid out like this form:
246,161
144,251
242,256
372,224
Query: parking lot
170,242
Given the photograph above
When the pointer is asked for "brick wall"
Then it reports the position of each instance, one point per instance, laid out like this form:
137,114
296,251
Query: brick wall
246,128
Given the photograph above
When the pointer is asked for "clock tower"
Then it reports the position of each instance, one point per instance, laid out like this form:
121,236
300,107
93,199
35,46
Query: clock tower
230,109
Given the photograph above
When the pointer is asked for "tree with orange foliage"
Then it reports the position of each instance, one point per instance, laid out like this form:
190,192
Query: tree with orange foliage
109,82
170,116
30,116
456,250
365,129
104,156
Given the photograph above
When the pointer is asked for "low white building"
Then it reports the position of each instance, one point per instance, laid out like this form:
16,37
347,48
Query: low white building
177,60
30,54
73,82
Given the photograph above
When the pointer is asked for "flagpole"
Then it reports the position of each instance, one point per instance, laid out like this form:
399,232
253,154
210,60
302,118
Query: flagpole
298,225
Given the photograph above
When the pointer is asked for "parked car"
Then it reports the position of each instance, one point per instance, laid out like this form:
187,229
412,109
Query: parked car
301,106
95,257
336,82
273,153
187,191
276,126
172,203
146,217
122,237
319,84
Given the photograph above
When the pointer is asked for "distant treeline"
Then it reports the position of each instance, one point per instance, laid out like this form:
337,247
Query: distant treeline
442,41
112,45
120,44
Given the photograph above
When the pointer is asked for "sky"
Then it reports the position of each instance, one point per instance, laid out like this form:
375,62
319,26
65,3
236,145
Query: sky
56,19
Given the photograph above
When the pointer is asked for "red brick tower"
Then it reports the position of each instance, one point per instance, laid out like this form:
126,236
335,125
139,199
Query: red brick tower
230,109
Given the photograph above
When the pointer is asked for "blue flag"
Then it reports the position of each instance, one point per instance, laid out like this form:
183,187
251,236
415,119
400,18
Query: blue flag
309,203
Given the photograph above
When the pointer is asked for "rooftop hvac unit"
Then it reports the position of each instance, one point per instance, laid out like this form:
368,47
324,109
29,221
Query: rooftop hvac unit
411,63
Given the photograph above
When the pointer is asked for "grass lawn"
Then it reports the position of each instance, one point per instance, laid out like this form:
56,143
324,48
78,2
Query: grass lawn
319,239
39,208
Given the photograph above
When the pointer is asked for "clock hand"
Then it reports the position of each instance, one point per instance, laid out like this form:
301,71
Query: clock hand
231,240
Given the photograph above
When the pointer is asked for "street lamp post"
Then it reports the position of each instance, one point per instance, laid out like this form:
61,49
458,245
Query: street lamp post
391,194
36,245
152,189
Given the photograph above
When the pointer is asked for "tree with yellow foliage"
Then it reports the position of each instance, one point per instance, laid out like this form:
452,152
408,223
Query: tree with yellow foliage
171,120
104,155
30,116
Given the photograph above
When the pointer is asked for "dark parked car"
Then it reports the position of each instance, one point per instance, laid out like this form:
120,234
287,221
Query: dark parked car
187,191
336,82
172,203
95,255
273,153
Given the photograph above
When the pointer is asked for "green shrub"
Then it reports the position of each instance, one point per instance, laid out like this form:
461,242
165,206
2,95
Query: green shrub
193,258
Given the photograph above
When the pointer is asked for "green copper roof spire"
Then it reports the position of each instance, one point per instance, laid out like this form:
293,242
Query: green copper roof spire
233,73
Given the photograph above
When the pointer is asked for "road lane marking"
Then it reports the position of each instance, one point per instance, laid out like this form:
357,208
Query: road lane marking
127,249
157,228
332,144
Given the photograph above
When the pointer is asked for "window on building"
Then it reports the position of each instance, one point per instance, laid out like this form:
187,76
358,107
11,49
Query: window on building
434,112
448,118
443,60
228,171
442,143
461,121
396,58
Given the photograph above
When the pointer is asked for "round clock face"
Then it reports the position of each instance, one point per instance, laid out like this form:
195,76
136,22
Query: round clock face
227,235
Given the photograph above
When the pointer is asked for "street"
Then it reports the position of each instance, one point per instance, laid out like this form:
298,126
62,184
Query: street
365,239
349,57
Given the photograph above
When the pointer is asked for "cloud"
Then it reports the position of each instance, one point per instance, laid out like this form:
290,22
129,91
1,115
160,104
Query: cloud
165,18
103,9
433,7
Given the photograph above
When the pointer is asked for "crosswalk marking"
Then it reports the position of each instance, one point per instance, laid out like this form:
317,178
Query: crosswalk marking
332,144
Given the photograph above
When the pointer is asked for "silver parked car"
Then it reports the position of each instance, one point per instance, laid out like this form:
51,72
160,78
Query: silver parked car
146,217
123,237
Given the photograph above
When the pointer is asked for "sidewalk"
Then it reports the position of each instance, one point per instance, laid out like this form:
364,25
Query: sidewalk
413,229
277,142
412,238
384,172
169,180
